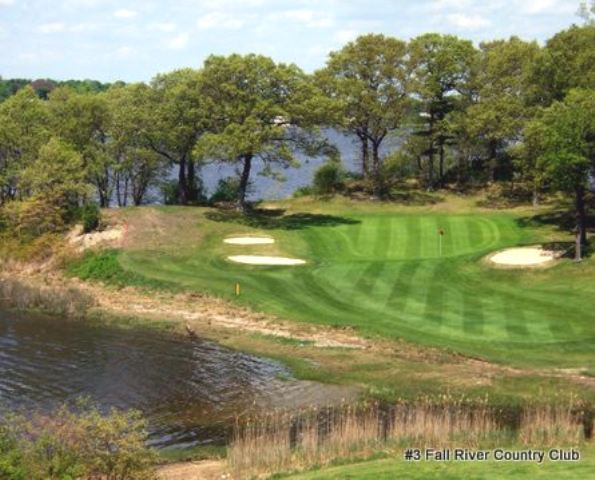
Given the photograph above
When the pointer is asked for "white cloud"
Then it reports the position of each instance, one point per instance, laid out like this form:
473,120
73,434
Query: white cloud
179,42
6,3
124,52
344,36
84,27
309,18
467,22
52,27
534,7
125,13
220,20
163,26
440,5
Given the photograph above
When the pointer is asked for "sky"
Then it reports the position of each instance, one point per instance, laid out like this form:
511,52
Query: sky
133,40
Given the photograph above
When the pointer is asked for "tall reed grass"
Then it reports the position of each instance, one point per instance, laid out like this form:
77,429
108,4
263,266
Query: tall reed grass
285,441
64,301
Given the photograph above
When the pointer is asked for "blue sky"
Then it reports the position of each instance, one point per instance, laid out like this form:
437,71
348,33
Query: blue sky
133,40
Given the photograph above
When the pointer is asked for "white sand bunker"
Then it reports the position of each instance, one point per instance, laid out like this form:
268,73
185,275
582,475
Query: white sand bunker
246,240
523,257
264,260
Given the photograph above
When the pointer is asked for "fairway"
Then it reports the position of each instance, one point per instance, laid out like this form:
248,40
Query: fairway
386,274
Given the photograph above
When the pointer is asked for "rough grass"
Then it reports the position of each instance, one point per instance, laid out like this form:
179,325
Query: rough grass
103,265
396,467
379,269
280,442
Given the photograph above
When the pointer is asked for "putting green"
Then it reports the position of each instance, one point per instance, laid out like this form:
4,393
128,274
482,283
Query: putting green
386,274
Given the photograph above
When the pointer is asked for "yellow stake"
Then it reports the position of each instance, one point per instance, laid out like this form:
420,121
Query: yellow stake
237,289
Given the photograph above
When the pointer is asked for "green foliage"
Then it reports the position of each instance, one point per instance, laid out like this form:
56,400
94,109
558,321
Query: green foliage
368,82
104,266
566,62
260,104
227,190
90,216
329,178
565,138
72,443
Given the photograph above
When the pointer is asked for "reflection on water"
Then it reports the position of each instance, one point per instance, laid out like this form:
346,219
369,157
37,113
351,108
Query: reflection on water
190,390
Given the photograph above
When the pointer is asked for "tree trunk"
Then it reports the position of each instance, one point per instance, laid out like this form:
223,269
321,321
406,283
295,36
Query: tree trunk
192,194
441,173
182,183
431,154
365,155
581,223
377,174
244,179
535,199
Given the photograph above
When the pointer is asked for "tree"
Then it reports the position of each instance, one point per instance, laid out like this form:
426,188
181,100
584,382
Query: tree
83,121
368,81
53,185
502,108
23,130
586,11
260,110
566,62
441,67
136,165
565,138
174,118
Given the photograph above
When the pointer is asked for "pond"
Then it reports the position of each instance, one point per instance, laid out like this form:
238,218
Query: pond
190,390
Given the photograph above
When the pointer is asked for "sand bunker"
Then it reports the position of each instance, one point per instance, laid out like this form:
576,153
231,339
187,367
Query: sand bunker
523,257
82,241
249,240
264,260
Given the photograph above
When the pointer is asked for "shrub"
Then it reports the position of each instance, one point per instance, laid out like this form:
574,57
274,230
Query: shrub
227,190
90,216
329,178
11,459
76,442
303,191
169,191
33,217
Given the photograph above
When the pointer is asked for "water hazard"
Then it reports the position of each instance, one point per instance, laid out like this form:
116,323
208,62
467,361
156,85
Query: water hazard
189,389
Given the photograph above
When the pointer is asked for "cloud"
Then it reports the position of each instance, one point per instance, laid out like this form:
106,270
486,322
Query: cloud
163,26
467,21
125,13
179,42
344,36
52,27
6,3
125,52
309,18
535,7
220,20
442,5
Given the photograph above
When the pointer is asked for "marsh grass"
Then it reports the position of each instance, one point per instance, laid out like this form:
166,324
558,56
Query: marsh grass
64,301
286,441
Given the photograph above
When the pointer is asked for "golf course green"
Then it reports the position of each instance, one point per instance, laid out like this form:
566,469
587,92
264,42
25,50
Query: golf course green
385,273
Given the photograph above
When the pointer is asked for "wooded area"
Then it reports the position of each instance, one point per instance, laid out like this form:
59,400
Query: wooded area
507,111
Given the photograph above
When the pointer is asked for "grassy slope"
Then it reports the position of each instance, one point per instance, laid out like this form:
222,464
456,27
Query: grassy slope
396,468
378,269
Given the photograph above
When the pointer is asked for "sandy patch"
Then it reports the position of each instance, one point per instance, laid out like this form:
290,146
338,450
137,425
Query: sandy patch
523,257
83,241
203,470
247,240
264,260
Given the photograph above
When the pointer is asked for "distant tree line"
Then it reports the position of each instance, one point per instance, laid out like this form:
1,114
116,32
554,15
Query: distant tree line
507,110
43,86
